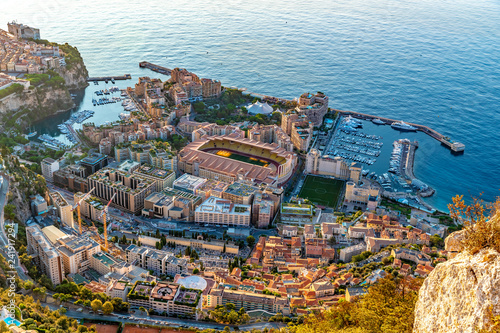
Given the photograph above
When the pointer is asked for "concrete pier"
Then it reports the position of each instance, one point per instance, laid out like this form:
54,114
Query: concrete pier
109,78
456,147
155,68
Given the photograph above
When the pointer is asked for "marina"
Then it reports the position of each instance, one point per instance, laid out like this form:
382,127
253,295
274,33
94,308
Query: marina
67,127
107,100
454,146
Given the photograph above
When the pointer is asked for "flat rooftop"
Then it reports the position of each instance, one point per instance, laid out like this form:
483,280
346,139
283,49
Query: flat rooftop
93,158
240,189
188,182
152,171
221,206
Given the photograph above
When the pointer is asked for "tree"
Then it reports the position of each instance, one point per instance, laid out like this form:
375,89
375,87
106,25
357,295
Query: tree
436,241
3,327
28,285
107,308
124,239
96,305
387,260
196,271
251,241
481,223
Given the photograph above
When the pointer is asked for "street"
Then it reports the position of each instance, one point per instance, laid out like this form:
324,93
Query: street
162,321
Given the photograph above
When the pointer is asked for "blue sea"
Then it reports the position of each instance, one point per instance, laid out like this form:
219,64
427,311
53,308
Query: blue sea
428,62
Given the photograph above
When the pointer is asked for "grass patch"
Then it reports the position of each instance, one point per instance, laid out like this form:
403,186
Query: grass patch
322,191
242,158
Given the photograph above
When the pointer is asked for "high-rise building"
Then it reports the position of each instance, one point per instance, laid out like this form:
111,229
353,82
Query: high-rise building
49,166
224,212
76,252
162,178
130,189
94,162
44,254
64,210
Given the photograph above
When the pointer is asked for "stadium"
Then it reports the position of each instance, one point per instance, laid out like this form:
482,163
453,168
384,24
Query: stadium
229,158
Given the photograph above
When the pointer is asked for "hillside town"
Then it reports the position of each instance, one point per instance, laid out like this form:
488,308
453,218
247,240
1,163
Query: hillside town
179,214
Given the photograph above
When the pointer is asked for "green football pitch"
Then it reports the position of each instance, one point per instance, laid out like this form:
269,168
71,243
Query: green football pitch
322,191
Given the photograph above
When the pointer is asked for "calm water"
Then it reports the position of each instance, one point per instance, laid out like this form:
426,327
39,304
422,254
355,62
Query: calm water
426,61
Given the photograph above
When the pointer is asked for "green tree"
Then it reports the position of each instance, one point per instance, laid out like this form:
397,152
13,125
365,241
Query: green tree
107,308
436,241
96,305
251,241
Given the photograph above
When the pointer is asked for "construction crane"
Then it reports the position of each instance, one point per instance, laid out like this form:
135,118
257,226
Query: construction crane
77,207
103,215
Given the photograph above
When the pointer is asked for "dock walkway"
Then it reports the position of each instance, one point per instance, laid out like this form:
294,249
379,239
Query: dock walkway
456,147
155,68
109,78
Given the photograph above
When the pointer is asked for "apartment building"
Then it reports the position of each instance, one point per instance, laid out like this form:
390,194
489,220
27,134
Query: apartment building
44,254
296,214
252,301
105,263
271,134
160,262
263,210
72,178
162,178
76,252
130,189
171,203
166,298
301,135
223,212
93,163
314,107
347,253
214,129
64,210
188,183
365,194
38,205
240,193
49,166
92,207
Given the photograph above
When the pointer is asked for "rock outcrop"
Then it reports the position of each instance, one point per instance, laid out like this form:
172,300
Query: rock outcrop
75,76
460,295
453,243
40,102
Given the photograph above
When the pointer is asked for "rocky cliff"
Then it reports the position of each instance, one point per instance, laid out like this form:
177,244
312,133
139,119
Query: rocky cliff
75,76
35,104
462,294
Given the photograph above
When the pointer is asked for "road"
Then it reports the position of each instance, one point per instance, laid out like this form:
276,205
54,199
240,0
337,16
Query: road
162,321
3,236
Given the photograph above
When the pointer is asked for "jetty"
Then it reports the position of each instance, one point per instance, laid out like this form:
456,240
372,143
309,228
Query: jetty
155,68
454,146
109,78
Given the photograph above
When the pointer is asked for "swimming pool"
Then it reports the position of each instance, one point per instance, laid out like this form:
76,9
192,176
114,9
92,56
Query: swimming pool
9,321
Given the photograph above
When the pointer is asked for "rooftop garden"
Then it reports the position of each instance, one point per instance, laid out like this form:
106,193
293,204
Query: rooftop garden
188,297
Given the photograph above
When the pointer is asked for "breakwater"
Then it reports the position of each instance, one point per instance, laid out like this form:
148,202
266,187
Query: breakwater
155,68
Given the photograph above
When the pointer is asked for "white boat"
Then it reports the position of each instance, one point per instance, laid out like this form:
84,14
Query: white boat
377,121
402,126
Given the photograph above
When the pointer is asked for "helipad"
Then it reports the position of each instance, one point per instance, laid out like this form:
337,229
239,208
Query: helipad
193,282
